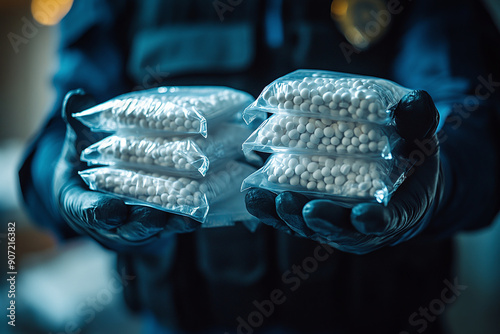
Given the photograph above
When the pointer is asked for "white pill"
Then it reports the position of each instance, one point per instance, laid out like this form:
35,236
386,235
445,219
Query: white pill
335,171
317,100
364,138
311,185
346,97
314,139
328,132
373,135
310,128
299,169
355,141
301,144
277,128
298,100
282,179
336,98
305,106
373,146
340,180
311,146
305,175
318,133
285,140
327,97
345,169
312,167
281,97
305,137
293,134
303,85
293,162
342,126
326,171
317,174
289,172
303,120
321,185
295,180
335,141
288,105
305,93
381,145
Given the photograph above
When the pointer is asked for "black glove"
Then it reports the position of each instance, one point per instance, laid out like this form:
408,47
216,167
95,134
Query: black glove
369,226
105,217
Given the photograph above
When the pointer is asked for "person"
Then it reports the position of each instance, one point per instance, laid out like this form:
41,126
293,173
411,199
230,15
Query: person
312,266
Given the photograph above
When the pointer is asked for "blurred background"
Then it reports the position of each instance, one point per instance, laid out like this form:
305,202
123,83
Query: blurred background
73,288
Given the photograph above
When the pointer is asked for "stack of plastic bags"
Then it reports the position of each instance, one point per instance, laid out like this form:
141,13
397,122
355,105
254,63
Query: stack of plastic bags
331,134
171,148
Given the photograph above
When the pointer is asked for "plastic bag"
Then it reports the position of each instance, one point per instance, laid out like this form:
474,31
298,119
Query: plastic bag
179,195
348,180
229,212
166,110
189,156
300,134
325,94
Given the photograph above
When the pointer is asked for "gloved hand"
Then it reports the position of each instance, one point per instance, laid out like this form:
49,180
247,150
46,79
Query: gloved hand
105,217
369,226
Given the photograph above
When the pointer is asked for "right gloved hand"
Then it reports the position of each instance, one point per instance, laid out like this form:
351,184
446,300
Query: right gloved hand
370,226
104,217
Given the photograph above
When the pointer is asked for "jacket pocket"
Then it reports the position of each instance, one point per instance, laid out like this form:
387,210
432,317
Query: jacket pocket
183,49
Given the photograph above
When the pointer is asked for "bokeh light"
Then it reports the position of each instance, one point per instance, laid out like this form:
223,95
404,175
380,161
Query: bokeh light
50,12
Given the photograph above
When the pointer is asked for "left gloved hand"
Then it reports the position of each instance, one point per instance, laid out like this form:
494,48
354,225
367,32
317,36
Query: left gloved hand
369,226
106,218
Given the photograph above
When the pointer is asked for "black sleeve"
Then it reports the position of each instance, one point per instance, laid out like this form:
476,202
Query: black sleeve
451,49
92,56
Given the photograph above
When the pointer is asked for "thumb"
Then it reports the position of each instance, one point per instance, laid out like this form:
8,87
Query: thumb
85,208
78,136
90,209
416,116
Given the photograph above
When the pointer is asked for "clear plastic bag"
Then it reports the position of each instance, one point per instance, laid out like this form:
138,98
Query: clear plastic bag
179,195
325,94
189,156
166,110
229,212
300,134
347,180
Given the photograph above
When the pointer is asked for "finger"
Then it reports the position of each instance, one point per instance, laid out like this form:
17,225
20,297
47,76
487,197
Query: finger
92,209
329,220
78,136
261,203
416,116
371,218
181,224
289,208
142,223
75,101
